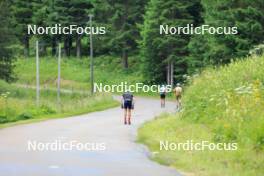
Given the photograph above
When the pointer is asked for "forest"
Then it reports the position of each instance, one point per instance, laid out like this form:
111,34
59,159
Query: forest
133,29
213,50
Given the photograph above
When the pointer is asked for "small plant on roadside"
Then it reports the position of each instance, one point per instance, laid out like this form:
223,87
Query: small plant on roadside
4,96
47,110
3,119
25,116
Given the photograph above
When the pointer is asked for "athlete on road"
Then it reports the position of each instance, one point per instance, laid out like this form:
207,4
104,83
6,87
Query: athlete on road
177,92
162,96
127,104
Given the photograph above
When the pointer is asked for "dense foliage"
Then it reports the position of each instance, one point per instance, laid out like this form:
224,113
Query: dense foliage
6,38
132,28
160,50
247,16
222,105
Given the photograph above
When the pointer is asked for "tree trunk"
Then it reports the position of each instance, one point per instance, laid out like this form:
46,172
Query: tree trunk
168,73
69,47
78,46
26,45
171,73
125,59
43,49
65,48
54,45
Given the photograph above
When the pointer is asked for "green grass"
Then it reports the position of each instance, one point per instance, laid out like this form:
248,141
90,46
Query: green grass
75,73
75,85
223,105
19,104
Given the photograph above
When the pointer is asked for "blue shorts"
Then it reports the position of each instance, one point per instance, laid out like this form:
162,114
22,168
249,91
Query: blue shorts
162,95
128,104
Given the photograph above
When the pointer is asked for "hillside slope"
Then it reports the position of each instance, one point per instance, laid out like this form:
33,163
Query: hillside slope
75,73
18,100
222,105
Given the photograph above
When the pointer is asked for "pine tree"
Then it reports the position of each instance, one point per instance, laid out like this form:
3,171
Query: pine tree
23,14
102,10
39,18
51,20
198,58
121,18
79,12
247,16
198,45
6,37
67,13
61,15
165,55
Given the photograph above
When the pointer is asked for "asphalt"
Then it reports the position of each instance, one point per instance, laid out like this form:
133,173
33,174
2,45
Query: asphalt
111,147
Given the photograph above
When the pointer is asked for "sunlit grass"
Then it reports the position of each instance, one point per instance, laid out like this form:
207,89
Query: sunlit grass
221,105
20,103
75,73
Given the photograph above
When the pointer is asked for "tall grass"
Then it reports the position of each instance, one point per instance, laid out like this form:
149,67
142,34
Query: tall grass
75,72
232,99
75,85
223,105
19,103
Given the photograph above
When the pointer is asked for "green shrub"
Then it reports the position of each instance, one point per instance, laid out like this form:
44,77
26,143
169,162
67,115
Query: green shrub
3,119
229,100
47,110
24,116
222,105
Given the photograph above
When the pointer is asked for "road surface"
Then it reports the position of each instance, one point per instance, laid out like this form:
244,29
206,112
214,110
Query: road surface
114,151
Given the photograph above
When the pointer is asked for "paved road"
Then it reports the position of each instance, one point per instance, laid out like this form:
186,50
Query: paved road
122,156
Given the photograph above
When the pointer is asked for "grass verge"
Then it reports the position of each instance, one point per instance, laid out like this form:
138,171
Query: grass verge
75,73
18,104
223,105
